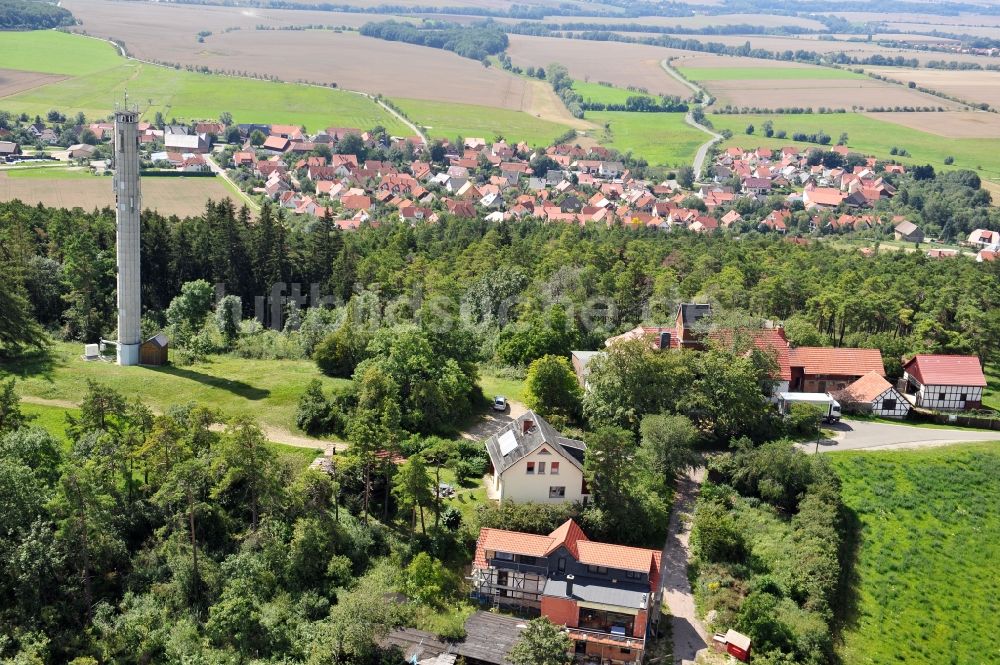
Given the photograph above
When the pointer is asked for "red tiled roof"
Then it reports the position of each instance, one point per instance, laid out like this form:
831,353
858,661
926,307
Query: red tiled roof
944,370
865,389
838,361
615,556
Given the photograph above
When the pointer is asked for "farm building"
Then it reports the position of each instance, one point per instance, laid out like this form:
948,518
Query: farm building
532,462
873,394
949,383
826,369
9,148
909,232
155,350
186,142
984,238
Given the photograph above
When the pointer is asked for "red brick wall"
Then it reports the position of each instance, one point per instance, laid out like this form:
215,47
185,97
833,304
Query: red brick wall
639,630
561,611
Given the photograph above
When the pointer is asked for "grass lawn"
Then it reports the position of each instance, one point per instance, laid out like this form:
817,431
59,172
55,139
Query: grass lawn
663,139
467,497
494,385
47,173
176,93
266,390
604,94
870,136
445,120
991,396
927,588
766,73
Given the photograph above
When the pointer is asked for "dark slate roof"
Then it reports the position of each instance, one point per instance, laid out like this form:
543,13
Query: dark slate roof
691,313
488,638
530,441
594,590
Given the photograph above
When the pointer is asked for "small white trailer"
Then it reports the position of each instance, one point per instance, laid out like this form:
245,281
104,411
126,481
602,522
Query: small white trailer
824,400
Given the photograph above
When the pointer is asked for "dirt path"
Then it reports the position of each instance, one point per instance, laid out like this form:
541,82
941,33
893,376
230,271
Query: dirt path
491,422
699,158
218,170
272,432
689,636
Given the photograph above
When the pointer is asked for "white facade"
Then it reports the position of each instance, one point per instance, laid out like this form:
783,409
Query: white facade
945,398
128,203
890,404
540,485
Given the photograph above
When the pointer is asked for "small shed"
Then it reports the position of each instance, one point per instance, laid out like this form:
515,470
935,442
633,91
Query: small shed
737,645
873,394
154,351
909,232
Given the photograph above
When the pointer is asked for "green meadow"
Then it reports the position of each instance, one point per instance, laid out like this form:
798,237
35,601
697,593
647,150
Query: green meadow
603,94
100,78
766,73
263,389
47,173
447,120
663,139
926,589
869,135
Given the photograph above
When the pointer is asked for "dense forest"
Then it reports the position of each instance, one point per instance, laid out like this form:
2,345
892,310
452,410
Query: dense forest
32,15
477,42
603,280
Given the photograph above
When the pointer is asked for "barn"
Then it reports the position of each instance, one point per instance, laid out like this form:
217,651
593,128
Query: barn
154,350
948,383
873,394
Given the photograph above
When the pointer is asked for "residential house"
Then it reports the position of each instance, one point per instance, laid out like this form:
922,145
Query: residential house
825,369
276,144
949,383
9,149
581,365
873,394
984,238
532,462
909,232
684,333
607,596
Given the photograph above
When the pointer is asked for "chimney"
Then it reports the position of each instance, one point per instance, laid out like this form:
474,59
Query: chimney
527,425
664,340
569,585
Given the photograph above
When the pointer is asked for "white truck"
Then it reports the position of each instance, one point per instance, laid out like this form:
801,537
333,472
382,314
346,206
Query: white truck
823,400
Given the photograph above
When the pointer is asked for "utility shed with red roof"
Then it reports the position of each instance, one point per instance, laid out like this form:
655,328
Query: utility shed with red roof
824,369
948,383
607,596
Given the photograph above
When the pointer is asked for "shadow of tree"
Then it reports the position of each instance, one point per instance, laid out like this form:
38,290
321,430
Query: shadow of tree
244,390
37,363
847,613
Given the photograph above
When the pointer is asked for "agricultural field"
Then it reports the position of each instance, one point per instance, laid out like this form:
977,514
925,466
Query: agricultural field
267,390
13,81
751,82
663,139
443,120
870,135
602,94
700,21
972,86
617,63
100,78
926,587
950,124
63,188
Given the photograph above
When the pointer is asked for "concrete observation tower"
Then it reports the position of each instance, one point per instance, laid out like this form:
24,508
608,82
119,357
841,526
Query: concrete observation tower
127,206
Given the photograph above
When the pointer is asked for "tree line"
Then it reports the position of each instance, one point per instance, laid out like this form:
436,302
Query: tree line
476,41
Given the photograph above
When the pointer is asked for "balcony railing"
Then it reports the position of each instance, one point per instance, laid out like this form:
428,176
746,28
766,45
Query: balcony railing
627,641
501,564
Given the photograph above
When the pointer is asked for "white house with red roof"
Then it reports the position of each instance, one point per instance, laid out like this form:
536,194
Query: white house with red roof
945,382
873,394
606,596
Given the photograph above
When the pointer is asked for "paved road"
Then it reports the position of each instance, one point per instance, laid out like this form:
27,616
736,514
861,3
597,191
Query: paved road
700,156
864,435
221,172
689,636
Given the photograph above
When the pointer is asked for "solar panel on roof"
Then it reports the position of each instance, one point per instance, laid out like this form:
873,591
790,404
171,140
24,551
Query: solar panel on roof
508,443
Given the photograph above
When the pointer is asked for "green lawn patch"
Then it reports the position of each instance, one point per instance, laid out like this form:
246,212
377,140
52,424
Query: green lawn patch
663,139
50,418
176,93
47,173
869,136
52,52
766,73
447,120
497,385
605,94
267,390
991,396
927,588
